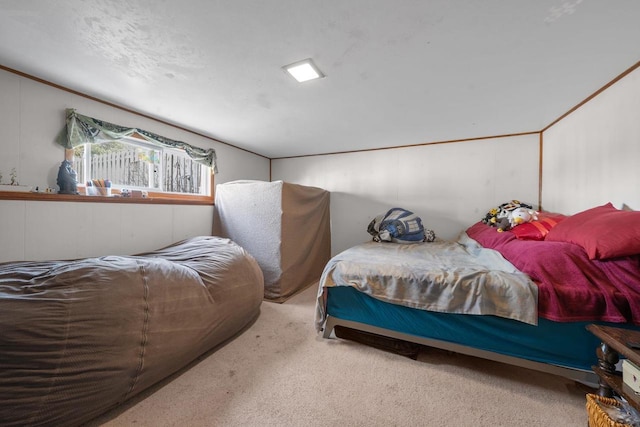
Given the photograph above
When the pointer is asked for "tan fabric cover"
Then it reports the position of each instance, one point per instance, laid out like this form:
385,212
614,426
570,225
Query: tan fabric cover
286,227
79,337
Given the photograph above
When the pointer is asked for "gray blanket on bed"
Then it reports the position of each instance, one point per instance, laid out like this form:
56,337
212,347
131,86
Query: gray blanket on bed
445,276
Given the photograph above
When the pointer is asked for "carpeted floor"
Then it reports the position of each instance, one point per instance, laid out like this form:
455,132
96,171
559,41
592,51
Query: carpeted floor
278,372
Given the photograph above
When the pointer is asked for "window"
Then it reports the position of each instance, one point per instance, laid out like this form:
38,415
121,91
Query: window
133,159
131,163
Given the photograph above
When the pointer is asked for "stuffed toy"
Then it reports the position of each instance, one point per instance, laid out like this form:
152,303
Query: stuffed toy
503,224
516,217
501,216
521,215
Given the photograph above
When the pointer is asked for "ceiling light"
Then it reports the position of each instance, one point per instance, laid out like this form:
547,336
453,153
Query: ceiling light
304,70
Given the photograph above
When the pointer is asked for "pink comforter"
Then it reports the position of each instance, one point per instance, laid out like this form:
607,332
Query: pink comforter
571,287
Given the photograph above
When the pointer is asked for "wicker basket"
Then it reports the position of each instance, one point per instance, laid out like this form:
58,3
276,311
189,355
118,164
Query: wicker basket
597,416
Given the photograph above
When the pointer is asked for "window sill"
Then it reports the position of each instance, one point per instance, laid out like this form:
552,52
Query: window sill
153,199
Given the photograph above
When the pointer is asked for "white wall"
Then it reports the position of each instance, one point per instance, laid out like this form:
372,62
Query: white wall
31,115
450,186
592,156
589,158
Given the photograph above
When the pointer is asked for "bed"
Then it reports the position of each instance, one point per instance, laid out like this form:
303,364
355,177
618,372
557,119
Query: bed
501,296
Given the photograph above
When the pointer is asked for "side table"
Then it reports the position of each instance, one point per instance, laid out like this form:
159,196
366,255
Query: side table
613,345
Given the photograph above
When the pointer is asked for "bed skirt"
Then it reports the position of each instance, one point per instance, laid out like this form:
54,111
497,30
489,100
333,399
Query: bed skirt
565,345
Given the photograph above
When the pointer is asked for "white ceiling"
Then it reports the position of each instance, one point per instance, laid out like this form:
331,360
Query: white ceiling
399,72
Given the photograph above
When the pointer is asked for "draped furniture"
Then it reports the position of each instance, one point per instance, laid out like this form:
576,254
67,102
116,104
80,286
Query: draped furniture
79,337
285,226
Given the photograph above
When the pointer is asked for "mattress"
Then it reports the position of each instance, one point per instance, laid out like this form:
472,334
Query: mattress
565,344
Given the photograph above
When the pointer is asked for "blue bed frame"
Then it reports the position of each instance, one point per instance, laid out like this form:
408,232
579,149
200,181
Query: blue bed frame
562,348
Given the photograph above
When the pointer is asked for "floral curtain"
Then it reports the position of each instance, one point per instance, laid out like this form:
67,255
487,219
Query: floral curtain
82,129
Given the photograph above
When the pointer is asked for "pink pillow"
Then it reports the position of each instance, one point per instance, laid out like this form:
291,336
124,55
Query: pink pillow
604,232
537,229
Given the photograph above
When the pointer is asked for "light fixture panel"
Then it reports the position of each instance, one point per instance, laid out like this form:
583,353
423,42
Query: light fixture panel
304,70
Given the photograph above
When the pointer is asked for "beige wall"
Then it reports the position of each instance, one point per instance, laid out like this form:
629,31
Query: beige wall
31,115
592,156
589,158
450,186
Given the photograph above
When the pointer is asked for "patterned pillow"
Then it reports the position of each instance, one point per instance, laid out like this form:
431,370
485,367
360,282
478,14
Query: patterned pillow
537,229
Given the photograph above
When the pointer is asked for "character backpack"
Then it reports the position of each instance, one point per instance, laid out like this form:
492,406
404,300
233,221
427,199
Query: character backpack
399,226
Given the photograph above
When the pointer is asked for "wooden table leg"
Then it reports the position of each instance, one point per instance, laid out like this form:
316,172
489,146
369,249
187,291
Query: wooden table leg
607,360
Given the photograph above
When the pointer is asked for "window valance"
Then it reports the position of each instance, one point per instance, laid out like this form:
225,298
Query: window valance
82,129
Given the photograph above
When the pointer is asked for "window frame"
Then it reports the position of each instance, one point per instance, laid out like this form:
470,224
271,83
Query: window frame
152,199
136,140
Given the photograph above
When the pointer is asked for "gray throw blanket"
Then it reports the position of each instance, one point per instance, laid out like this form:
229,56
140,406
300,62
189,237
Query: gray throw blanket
444,276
